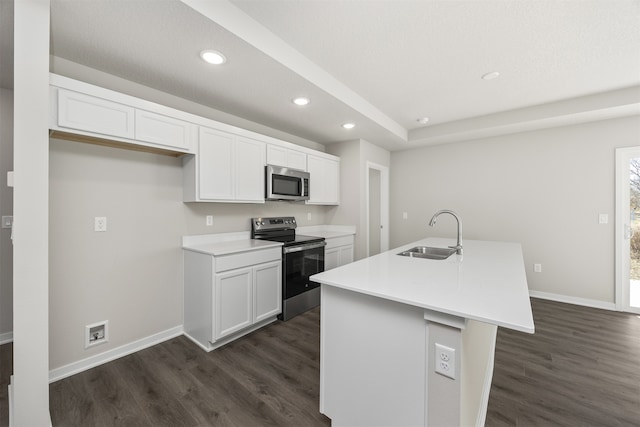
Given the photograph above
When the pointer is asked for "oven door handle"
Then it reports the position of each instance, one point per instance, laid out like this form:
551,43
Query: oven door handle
304,247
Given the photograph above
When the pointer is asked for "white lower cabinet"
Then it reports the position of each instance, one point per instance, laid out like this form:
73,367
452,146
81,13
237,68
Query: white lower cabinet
233,301
246,296
231,295
338,252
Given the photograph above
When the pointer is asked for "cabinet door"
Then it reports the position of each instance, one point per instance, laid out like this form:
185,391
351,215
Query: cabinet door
249,170
216,165
331,258
331,181
276,155
267,290
324,181
346,254
96,115
296,160
233,301
281,156
163,130
315,167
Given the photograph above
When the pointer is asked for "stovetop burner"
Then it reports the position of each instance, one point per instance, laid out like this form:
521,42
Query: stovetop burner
280,229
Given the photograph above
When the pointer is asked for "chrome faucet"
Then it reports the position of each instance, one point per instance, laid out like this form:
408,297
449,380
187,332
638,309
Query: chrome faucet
458,246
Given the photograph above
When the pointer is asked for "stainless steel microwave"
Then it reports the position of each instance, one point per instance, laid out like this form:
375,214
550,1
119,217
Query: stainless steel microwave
286,183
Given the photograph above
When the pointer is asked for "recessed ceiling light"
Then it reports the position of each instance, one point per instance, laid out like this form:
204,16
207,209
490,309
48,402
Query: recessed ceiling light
213,57
301,101
348,125
490,76
423,120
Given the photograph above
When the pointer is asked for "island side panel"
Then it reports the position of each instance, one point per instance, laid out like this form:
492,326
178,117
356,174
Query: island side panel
373,354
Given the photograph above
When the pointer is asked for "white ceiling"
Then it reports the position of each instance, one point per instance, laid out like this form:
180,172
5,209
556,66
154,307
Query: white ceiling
378,63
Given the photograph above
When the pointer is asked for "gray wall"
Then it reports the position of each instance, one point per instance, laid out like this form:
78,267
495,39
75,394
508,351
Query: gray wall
352,210
6,208
544,189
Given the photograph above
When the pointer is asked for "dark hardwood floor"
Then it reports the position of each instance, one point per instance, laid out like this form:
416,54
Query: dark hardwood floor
581,368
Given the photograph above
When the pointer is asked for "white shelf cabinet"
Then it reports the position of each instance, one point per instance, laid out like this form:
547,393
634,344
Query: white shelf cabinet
338,252
227,168
229,296
281,156
324,181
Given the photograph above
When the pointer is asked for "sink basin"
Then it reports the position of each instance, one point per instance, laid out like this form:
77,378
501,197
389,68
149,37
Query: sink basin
428,252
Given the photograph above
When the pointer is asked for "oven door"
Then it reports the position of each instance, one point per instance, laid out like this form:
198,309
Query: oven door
298,263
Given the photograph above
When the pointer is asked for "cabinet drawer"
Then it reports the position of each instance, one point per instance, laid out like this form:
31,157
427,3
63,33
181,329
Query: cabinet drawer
244,259
333,242
163,130
97,115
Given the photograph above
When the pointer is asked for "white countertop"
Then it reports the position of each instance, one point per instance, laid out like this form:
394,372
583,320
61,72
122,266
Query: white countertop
327,231
219,244
488,283
231,246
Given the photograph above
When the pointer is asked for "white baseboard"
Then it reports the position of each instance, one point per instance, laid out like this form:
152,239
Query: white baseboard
5,338
102,358
574,300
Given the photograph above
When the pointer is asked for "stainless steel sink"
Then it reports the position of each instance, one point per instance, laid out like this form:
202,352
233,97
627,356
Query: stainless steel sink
428,252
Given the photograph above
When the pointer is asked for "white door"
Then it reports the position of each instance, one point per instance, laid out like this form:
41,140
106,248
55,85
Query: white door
377,191
374,212
628,229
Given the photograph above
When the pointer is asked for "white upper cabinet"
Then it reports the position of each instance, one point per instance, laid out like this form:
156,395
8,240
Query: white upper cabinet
77,111
249,170
96,113
228,168
216,160
282,156
163,130
324,180
223,163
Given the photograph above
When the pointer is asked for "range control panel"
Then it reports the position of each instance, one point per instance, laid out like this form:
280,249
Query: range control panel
274,223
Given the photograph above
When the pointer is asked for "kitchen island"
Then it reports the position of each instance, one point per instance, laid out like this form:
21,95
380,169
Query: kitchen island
409,341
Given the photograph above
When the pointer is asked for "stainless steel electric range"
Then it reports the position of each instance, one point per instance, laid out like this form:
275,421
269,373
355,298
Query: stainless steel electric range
302,256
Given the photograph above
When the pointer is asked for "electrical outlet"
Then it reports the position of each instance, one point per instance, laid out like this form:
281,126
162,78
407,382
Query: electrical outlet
7,221
209,219
405,215
96,333
603,219
445,361
308,216
537,268
100,223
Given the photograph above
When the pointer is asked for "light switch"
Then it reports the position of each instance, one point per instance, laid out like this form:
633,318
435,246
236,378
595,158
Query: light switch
603,219
405,215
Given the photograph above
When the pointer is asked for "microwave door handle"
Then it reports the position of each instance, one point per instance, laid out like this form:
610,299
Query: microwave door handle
302,186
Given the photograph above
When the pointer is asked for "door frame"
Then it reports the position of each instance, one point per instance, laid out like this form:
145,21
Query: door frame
384,206
622,251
